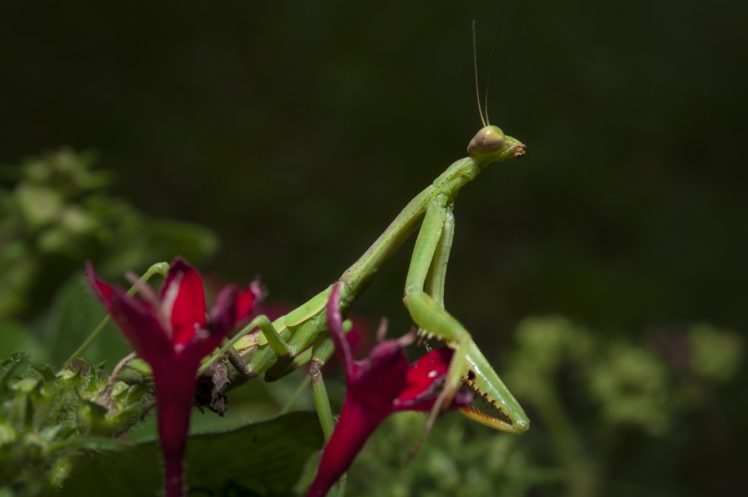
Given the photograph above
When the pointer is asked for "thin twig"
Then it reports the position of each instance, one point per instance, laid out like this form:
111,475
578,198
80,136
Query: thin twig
105,397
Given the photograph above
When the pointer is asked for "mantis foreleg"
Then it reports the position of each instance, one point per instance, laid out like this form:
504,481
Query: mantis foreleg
428,312
469,366
291,336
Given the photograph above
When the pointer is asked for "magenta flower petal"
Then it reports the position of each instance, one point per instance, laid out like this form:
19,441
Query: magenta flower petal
380,378
424,381
102,289
173,336
351,432
246,300
135,318
183,301
379,385
175,389
223,314
335,327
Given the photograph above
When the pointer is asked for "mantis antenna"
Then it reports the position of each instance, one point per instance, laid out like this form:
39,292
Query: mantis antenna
490,60
483,110
475,68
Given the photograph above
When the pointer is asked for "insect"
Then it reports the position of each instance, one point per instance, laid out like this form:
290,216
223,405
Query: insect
274,348
297,337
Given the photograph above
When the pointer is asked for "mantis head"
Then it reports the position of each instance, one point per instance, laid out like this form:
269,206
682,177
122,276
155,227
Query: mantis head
490,144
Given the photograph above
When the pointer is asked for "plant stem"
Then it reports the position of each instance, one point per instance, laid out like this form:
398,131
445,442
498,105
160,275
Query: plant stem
581,472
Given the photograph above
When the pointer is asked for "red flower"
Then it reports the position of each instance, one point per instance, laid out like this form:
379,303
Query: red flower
173,333
379,385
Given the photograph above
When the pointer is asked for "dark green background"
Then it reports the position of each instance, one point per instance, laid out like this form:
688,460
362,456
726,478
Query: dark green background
296,130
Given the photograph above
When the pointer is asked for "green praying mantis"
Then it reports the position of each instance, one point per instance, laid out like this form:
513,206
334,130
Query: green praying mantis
274,348
298,339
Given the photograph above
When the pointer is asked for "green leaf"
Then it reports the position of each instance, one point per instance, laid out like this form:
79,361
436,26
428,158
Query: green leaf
260,459
86,443
16,338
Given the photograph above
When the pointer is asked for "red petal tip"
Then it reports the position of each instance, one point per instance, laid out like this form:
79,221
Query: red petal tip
183,301
102,289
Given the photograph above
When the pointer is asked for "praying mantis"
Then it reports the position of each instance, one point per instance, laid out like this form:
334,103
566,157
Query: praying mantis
299,338
274,348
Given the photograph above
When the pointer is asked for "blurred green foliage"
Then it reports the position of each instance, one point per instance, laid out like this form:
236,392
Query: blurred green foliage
48,420
265,458
586,395
459,459
63,434
58,214
588,391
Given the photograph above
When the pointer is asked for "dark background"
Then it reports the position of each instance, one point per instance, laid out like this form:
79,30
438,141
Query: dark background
297,130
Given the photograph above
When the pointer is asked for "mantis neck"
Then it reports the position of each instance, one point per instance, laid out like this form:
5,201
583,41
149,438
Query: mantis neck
449,183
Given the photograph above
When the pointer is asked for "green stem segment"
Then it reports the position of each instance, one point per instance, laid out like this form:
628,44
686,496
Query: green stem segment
580,471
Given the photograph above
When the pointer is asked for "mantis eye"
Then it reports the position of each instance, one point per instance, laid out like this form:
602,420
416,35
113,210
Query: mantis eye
488,139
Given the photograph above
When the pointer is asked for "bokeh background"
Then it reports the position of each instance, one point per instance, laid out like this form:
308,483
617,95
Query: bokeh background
294,132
